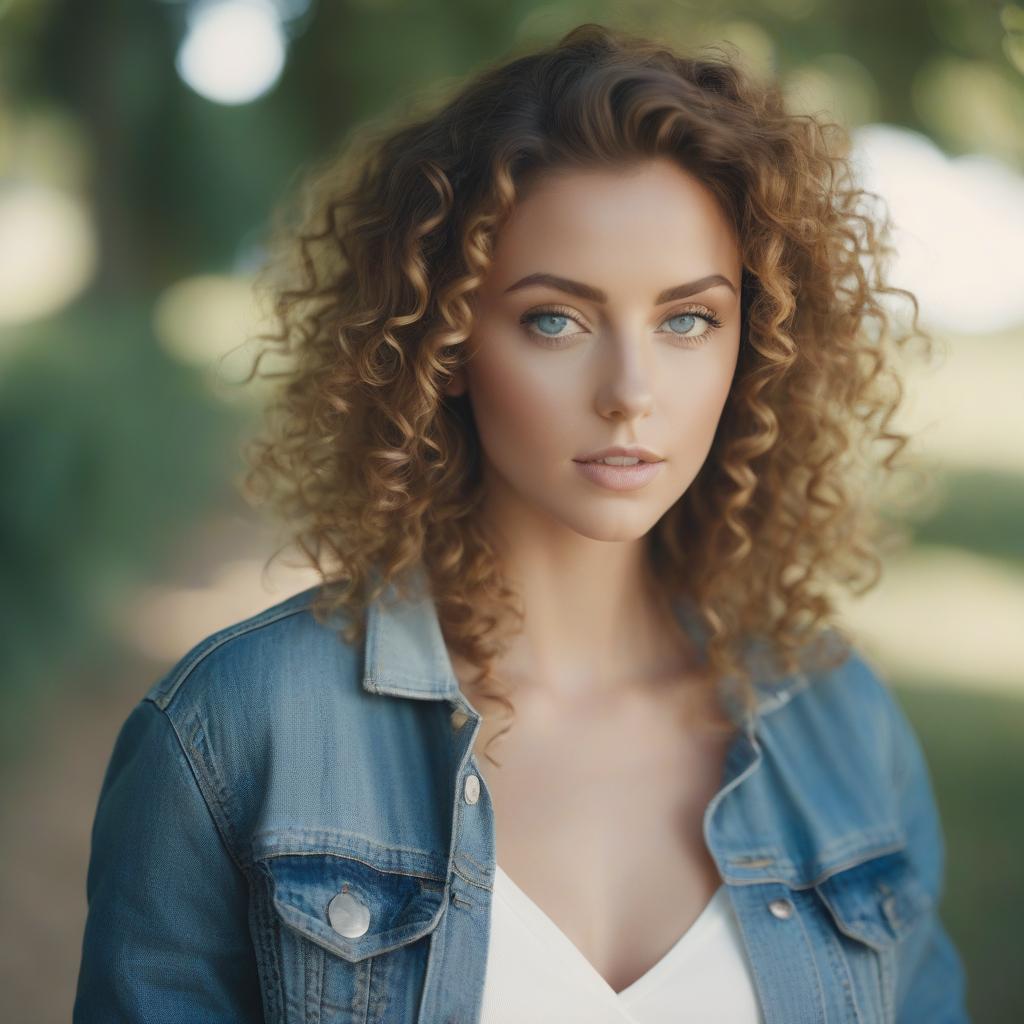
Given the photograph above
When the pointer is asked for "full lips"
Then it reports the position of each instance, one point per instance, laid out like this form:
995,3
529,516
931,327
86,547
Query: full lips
620,478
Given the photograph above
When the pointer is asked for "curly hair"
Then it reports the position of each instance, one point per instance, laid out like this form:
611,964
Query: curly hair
376,470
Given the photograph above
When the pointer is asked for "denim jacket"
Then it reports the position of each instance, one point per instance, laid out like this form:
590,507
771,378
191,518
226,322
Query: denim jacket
295,829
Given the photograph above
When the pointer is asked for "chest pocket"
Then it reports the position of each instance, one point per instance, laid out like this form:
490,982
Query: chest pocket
874,906
878,901
352,937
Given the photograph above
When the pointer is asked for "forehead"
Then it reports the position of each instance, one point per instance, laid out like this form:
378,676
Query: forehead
653,217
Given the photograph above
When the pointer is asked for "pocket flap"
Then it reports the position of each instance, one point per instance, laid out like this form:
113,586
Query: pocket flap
876,901
388,907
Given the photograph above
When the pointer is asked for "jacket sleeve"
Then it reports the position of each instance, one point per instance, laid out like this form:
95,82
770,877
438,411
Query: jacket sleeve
166,934
931,981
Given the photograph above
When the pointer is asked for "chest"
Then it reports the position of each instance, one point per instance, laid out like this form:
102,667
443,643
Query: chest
594,829
599,822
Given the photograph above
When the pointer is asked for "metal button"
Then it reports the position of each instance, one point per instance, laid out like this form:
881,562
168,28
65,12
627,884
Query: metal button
459,718
781,909
348,916
472,789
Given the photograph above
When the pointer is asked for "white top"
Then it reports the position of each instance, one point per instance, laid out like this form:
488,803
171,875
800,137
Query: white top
536,973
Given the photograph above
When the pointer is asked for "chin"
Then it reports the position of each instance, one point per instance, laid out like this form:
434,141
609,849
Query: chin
619,526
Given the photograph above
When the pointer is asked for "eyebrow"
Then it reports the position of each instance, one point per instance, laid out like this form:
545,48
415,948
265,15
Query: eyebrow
589,292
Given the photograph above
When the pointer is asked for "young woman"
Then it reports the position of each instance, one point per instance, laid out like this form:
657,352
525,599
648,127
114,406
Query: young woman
563,735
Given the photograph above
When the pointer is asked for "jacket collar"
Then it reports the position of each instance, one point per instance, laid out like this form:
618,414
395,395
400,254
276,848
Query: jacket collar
406,655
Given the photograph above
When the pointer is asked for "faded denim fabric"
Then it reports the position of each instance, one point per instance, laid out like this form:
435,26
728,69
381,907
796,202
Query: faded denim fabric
275,767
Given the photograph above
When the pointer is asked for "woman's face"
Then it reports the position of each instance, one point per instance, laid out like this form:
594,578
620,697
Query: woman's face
600,353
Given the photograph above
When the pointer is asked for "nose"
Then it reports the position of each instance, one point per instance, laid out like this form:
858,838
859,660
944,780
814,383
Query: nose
626,388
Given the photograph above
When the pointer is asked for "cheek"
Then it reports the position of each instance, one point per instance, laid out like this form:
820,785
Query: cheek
696,403
520,407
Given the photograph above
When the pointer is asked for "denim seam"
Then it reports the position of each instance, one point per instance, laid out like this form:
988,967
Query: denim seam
270,939
823,876
471,881
359,860
435,958
855,841
314,983
475,863
377,994
884,962
841,967
208,794
810,956
754,960
166,693
390,685
338,850
361,990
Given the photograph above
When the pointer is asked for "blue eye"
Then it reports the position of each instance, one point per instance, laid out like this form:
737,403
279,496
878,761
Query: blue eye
549,316
555,321
693,318
683,316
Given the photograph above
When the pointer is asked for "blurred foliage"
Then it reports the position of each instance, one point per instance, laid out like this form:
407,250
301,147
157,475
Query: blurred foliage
972,741
109,450
178,180
980,511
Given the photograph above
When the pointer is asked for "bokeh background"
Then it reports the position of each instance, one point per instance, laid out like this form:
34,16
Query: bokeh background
143,145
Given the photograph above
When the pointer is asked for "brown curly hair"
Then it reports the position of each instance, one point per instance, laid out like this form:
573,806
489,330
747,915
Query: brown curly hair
376,470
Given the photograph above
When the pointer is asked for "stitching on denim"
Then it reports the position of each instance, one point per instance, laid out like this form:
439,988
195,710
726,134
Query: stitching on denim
358,972
314,834
754,961
350,856
394,686
859,839
841,967
218,794
751,861
480,867
270,940
884,962
859,853
377,988
844,923
457,814
472,881
338,848
361,995
435,958
168,689
314,982
380,633
207,793
810,956
841,866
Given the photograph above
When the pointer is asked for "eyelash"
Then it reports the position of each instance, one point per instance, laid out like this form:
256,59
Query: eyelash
553,341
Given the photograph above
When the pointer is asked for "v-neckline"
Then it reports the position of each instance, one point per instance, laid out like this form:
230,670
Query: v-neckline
638,986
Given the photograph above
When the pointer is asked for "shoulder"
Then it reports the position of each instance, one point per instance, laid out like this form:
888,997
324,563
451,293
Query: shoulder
849,703
254,707
857,773
839,743
268,660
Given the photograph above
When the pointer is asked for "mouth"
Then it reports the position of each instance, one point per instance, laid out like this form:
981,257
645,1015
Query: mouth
619,478
638,460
